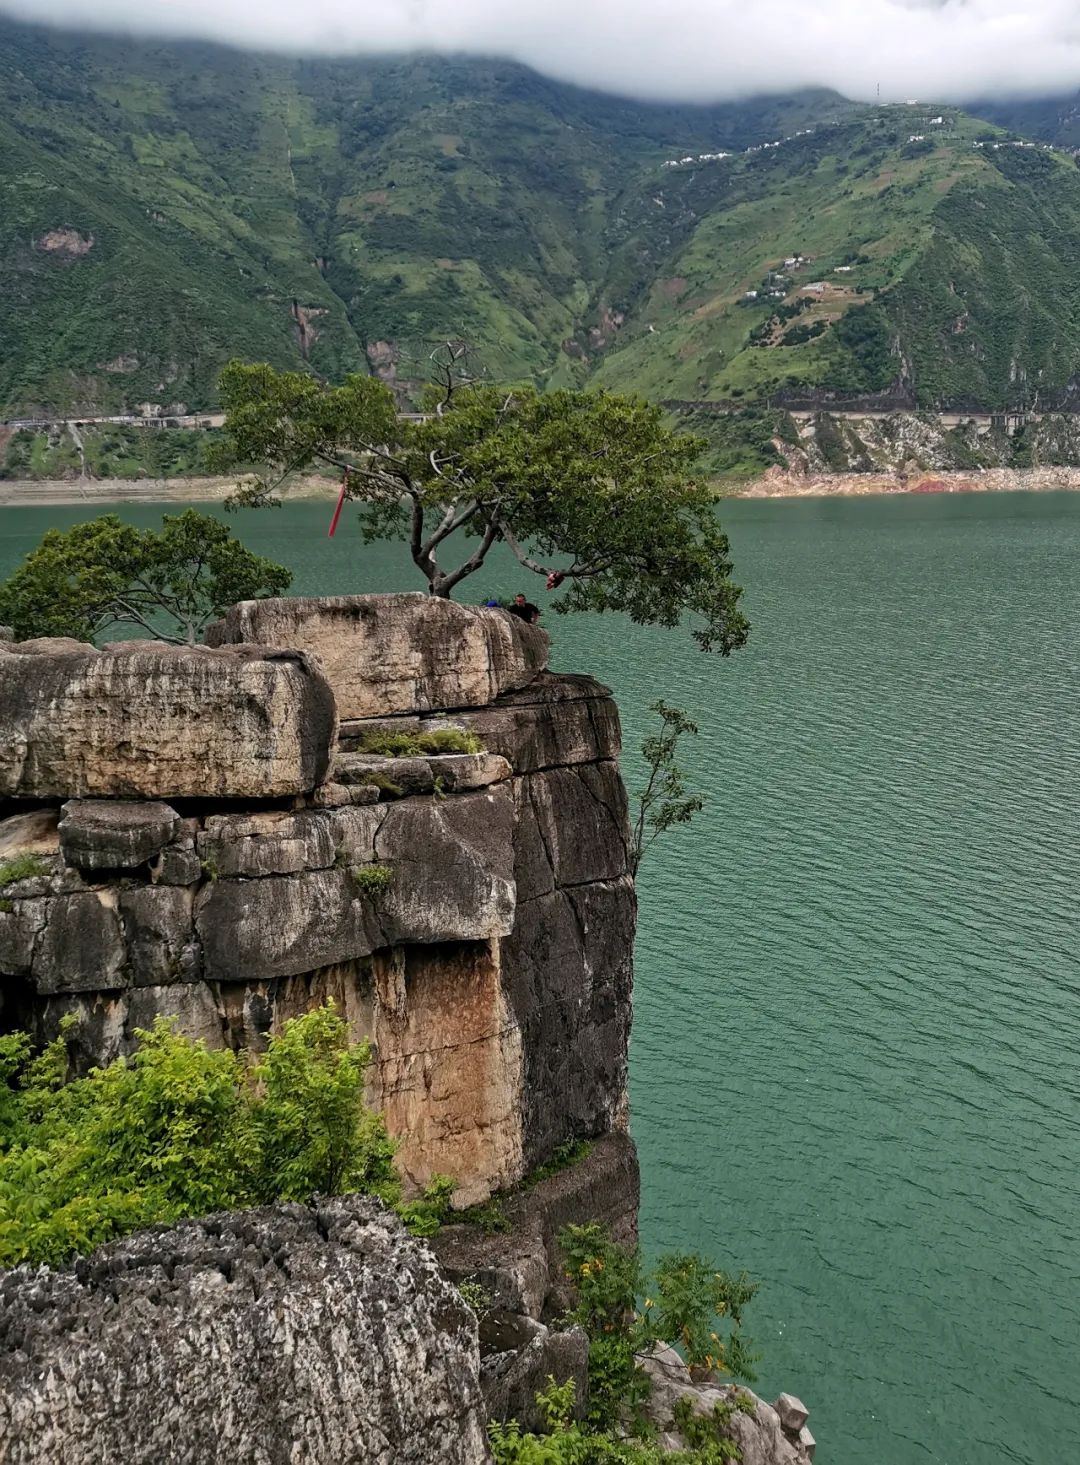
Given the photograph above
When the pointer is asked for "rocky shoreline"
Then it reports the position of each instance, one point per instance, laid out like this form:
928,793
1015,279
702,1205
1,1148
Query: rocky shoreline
775,483
104,492
784,483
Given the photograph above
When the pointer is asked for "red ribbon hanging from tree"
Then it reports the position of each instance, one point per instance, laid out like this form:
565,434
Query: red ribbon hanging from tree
340,504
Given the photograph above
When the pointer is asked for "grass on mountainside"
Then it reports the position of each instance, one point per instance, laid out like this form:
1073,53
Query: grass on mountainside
110,451
165,207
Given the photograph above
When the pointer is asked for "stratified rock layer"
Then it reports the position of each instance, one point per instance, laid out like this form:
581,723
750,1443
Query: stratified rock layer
274,1336
397,653
470,913
145,720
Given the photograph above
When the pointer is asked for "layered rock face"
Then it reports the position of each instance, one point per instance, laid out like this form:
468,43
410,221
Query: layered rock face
141,719
187,834
389,654
280,1335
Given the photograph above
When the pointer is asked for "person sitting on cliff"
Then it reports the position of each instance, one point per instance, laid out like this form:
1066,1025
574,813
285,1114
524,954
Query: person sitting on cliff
524,609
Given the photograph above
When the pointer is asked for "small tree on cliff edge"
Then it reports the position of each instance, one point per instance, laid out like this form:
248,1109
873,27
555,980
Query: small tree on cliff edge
87,580
592,491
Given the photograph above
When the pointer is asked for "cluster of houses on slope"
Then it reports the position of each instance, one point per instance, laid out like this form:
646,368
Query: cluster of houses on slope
715,157
776,285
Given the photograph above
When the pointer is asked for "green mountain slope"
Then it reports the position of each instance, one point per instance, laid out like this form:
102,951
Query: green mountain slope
164,207
943,271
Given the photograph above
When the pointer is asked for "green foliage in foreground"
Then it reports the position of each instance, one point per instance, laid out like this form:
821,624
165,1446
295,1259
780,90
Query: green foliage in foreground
170,583
686,1302
181,1130
569,1443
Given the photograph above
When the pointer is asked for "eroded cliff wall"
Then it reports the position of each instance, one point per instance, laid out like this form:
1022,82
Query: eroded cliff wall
205,834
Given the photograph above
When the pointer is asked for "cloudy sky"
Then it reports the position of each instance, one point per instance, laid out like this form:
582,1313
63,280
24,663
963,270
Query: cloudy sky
692,49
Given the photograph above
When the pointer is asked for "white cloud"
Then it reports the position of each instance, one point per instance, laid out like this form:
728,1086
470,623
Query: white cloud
688,49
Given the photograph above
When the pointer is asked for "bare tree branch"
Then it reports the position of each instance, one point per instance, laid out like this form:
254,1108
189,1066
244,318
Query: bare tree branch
473,563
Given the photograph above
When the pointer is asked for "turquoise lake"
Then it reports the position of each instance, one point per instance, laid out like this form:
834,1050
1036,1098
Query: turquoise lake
857,1018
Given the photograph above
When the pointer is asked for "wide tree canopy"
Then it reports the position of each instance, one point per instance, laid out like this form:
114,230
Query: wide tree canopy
82,582
594,492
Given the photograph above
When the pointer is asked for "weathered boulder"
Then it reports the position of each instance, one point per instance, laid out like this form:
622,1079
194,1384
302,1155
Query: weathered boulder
522,1269
754,1428
114,834
272,843
512,1379
396,653
793,1413
280,1335
33,833
81,948
282,925
447,773
145,720
451,865
21,922
159,934
6,633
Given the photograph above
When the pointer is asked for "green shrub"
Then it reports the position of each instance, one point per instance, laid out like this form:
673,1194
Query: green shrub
384,785
686,1301
23,867
568,1443
432,1210
419,744
476,1296
372,879
177,1130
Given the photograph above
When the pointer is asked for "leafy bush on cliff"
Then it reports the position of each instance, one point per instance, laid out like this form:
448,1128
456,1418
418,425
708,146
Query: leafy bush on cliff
180,1129
86,580
626,1310
686,1301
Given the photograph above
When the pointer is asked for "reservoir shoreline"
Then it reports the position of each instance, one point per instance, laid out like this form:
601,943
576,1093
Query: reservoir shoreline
776,483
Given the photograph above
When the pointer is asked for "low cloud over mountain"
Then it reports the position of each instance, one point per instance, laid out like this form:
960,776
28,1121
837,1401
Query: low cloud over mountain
688,49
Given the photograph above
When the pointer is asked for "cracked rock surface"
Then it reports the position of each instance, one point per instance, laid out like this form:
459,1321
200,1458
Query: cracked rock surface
274,1336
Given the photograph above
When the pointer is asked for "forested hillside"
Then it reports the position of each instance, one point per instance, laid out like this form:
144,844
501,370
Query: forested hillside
165,207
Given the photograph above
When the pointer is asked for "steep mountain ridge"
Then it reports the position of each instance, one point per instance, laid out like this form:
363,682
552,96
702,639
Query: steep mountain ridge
167,206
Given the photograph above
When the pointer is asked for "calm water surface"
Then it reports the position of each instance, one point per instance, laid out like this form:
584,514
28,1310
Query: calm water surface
855,1049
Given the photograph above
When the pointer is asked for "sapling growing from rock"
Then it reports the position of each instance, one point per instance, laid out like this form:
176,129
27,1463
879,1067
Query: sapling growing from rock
663,802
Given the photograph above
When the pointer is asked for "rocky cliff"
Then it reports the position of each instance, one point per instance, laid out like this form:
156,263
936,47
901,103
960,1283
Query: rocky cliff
316,1333
218,835
276,1336
392,802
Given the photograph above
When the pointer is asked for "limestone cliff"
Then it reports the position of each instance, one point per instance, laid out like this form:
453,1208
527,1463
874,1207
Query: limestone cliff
223,836
200,823
276,1336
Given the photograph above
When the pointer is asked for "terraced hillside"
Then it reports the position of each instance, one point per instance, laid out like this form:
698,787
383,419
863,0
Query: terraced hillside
165,207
